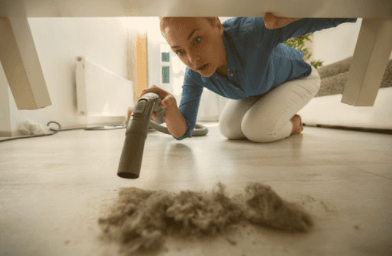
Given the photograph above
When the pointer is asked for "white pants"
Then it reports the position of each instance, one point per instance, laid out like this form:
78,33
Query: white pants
266,118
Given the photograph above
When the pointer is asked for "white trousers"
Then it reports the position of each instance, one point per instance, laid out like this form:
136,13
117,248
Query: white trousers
266,118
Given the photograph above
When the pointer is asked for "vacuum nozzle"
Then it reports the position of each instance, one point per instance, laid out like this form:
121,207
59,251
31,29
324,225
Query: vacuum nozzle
135,136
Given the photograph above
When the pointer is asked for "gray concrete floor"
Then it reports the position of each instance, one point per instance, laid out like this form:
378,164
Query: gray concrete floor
53,190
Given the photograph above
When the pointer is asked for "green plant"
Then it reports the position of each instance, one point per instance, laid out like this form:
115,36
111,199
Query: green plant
299,44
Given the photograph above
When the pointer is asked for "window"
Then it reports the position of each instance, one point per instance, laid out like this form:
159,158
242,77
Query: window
165,57
165,75
165,64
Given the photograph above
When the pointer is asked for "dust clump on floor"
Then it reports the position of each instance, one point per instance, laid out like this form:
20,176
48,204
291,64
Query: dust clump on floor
265,207
142,218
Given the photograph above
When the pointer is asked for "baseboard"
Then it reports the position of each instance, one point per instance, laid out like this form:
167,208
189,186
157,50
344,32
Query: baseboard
359,129
84,122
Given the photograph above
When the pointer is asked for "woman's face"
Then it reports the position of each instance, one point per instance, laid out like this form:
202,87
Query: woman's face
197,42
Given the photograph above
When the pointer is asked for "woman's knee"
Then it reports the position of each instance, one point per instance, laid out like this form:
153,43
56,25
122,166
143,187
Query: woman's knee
230,128
268,130
231,118
259,133
263,137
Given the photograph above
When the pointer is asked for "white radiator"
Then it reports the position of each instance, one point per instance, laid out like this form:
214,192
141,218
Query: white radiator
101,92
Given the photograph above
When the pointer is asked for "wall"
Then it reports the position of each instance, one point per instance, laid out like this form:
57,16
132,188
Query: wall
58,42
334,44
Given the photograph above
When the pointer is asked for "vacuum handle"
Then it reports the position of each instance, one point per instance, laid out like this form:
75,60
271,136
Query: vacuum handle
135,137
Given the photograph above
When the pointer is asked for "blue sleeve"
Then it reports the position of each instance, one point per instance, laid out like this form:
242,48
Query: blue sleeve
269,38
189,106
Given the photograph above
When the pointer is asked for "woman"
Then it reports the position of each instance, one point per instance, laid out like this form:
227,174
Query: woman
243,59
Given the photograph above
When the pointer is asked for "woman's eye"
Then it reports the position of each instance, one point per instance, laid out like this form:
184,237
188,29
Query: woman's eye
197,40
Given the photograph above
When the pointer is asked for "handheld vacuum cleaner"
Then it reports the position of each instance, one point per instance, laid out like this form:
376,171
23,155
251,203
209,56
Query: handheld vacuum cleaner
136,133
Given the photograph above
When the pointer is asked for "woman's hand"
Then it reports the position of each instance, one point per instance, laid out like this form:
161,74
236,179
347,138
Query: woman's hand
175,121
273,22
167,100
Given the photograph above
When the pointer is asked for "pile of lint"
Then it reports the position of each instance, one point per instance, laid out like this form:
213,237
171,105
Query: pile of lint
142,218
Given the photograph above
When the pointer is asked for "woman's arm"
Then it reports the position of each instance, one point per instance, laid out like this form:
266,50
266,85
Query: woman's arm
273,22
175,121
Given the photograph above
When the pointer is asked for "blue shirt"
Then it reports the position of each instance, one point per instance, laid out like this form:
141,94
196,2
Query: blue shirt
257,61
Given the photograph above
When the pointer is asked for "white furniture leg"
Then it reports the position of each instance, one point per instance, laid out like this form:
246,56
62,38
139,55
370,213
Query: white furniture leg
370,59
20,61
